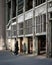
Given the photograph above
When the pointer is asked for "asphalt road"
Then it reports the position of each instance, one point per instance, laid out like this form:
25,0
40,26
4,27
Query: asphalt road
7,58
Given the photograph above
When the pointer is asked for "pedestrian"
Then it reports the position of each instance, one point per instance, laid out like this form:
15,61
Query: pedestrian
16,47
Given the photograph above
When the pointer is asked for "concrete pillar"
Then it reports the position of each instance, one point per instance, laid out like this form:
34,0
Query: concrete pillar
33,29
48,32
49,45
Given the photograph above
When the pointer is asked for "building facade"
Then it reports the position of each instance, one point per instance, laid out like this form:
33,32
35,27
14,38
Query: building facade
2,25
30,21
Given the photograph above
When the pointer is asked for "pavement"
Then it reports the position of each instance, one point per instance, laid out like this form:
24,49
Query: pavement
8,58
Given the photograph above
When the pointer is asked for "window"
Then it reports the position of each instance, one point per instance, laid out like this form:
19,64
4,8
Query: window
44,22
20,25
14,27
28,26
8,33
14,30
28,4
38,24
20,28
15,33
38,2
20,32
20,6
13,8
9,10
41,23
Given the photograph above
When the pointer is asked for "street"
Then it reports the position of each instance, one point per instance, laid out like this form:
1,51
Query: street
7,58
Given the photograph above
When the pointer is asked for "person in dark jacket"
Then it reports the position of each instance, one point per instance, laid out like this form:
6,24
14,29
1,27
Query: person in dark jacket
16,47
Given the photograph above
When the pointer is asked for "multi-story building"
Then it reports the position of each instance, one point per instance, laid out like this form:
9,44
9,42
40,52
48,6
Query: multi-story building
30,21
2,25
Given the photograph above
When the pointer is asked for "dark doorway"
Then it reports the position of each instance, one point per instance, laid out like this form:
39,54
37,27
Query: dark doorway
41,45
21,50
30,45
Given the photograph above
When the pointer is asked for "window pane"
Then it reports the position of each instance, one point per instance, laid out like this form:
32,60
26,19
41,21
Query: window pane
44,17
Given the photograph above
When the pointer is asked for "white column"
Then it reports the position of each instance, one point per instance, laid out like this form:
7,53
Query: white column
48,41
33,26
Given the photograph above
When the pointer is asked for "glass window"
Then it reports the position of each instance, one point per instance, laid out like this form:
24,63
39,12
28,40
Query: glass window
20,6
44,22
20,28
28,4
38,2
20,25
13,8
20,32
9,33
38,24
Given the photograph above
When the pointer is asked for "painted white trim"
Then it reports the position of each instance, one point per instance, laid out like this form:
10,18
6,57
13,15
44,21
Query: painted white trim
43,33
28,35
13,36
20,35
14,23
25,35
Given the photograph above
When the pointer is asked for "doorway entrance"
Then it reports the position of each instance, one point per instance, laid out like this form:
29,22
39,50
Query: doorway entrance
21,49
30,45
41,45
